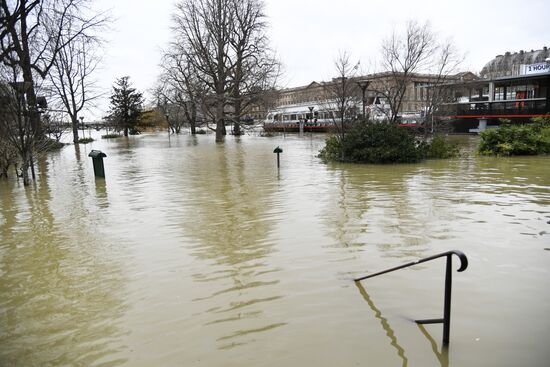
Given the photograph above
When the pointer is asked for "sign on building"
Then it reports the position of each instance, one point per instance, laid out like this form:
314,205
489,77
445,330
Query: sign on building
535,68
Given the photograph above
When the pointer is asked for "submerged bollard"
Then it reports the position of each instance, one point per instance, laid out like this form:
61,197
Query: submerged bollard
278,151
97,159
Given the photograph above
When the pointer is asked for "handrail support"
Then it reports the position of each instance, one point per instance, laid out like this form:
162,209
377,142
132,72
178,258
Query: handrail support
446,320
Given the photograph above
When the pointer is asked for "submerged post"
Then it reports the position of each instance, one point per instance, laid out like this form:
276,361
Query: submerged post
97,159
278,151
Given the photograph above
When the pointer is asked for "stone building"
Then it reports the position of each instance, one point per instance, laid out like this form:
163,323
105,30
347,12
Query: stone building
513,64
415,98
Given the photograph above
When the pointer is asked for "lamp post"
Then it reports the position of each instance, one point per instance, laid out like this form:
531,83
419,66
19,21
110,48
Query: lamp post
310,108
363,84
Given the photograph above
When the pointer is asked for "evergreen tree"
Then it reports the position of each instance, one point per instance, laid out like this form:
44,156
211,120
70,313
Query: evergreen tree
126,106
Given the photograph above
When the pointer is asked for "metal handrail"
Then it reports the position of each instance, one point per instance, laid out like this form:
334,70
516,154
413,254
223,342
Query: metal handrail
446,320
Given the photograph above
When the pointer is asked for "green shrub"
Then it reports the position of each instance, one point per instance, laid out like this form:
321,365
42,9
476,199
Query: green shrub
440,148
331,150
509,140
374,143
110,136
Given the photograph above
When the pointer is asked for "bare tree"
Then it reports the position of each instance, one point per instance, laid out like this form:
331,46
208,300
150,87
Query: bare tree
16,130
447,60
181,89
342,96
54,124
71,77
32,33
254,69
403,56
204,27
226,44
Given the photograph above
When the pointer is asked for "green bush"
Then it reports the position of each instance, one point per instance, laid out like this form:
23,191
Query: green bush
384,143
509,139
374,143
440,148
331,150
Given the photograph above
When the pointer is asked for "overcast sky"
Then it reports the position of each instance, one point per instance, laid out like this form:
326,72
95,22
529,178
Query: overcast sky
308,34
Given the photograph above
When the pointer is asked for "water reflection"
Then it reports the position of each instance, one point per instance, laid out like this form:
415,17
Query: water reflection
230,223
101,193
385,325
443,354
378,207
60,298
191,253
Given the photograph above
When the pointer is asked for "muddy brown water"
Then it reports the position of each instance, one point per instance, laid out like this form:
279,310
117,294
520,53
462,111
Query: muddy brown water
192,253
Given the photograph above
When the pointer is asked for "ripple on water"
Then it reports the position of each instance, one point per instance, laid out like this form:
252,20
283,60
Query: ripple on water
195,253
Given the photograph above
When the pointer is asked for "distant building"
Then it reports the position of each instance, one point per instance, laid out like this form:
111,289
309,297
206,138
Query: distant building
294,104
514,64
514,86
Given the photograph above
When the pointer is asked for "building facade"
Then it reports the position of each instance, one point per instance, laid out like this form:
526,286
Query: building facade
369,92
515,86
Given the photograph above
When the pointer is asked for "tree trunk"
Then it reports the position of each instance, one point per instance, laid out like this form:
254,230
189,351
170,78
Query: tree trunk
74,122
193,120
25,170
238,113
25,63
220,123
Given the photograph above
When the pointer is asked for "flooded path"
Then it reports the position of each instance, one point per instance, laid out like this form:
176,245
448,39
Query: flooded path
196,254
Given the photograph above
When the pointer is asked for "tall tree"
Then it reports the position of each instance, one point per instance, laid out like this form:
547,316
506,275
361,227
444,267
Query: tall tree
342,97
227,46
204,27
447,60
16,131
126,106
32,33
180,89
71,77
404,55
254,69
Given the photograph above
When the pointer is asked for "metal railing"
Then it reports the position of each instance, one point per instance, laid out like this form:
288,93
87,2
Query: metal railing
500,107
446,320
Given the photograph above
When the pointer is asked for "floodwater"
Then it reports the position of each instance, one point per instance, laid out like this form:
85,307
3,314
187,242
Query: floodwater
191,253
